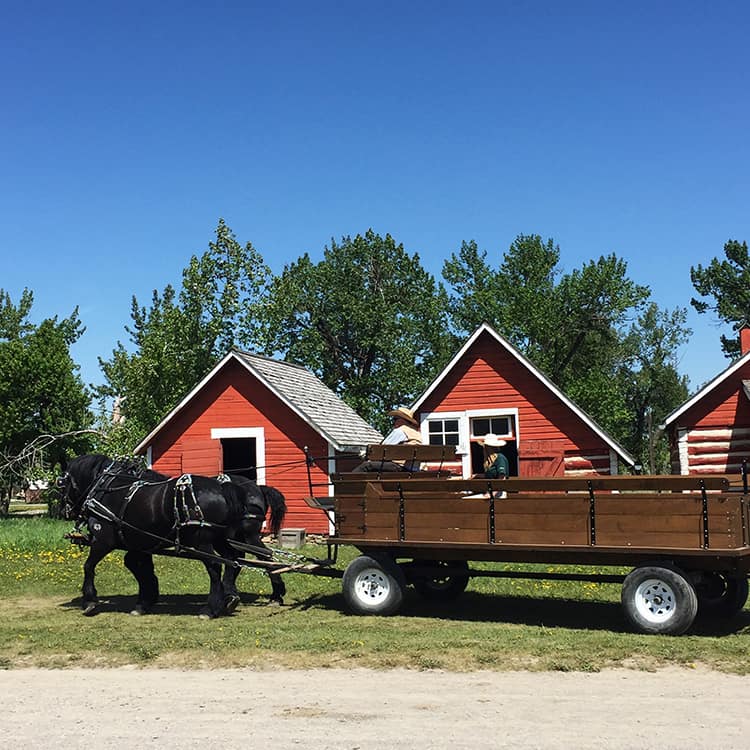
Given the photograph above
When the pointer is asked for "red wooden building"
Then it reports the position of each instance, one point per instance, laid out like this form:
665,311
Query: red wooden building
255,416
490,387
710,432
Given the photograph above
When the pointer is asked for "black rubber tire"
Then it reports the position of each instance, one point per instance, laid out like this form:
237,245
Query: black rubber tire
659,599
449,583
373,586
721,594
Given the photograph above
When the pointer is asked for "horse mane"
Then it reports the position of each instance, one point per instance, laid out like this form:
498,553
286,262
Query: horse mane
85,469
236,498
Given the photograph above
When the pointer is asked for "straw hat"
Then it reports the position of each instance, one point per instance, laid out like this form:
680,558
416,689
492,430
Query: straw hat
403,413
492,441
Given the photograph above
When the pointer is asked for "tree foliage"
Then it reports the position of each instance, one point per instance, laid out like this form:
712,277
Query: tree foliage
181,335
652,383
728,282
40,389
367,319
585,329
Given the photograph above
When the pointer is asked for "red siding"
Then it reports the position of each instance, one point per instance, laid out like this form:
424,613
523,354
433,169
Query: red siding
233,398
718,429
488,376
724,406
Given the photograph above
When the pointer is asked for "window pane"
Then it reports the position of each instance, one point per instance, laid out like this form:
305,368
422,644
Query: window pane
500,425
480,427
451,439
451,425
436,439
435,425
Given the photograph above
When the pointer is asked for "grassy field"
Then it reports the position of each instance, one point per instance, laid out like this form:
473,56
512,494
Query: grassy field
497,624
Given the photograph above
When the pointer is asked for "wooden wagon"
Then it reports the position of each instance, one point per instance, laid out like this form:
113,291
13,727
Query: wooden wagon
686,538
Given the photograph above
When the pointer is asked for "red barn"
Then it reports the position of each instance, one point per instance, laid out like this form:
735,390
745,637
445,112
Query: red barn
490,387
255,416
710,432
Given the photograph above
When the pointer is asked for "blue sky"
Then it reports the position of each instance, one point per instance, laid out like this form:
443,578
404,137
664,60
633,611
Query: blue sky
128,129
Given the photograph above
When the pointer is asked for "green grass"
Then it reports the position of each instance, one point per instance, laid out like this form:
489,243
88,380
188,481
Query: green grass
497,624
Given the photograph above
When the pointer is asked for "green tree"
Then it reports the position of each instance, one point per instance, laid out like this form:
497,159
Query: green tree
652,384
182,335
368,319
41,392
728,282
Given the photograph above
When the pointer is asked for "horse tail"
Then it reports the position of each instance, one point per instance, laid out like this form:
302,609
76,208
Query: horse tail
277,504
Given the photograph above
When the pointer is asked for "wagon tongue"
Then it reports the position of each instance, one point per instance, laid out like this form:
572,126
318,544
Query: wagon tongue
263,552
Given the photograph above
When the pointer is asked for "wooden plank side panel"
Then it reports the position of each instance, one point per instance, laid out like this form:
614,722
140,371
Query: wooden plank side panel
725,523
657,539
542,505
351,523
460,504
466,536
381,526
639,507
445,520
541,538
532,523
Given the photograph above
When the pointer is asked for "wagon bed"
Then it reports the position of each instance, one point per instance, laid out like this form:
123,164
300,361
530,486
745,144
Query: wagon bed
685,536
603,520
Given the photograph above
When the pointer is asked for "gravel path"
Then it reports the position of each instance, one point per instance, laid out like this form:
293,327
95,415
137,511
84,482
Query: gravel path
369,710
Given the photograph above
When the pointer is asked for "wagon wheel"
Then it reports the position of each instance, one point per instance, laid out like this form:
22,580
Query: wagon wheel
449,580
373,587
721,594
659,599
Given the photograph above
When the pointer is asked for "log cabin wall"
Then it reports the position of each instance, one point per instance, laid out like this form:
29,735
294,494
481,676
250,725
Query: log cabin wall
712,436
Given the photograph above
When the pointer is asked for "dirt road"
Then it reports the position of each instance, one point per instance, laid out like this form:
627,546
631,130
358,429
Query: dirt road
348,709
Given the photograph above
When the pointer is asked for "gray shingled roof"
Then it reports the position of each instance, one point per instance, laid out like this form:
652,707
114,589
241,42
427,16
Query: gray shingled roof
314,401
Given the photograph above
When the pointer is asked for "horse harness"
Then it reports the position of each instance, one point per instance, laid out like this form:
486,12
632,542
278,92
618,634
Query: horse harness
187,512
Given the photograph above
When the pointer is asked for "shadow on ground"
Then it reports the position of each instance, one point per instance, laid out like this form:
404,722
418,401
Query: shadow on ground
168,604
537,611
470,607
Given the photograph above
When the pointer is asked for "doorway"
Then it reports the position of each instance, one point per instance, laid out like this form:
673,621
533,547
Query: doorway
240,456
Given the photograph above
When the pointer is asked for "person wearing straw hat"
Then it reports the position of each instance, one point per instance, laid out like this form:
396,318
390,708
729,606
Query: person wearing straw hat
405,428
405,431
496,465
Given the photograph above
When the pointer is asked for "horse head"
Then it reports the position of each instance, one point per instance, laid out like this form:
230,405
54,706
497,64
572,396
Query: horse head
80,476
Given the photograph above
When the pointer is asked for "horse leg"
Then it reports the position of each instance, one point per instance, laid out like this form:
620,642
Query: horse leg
215,604
97,552
141,565
229,586
278,587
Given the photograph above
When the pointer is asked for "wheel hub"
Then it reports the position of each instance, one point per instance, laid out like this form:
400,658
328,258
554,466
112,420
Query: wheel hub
655,600
372,586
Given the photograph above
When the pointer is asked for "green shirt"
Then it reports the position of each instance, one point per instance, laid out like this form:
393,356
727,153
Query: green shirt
500,468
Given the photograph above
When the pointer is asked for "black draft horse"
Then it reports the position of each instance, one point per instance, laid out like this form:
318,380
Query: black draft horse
142,512
259,498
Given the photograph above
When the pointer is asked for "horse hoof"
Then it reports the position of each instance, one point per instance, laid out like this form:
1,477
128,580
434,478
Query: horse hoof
138,610
89,609
276,601
231,604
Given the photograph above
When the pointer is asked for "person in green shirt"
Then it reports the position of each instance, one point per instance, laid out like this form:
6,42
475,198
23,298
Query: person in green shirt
496,465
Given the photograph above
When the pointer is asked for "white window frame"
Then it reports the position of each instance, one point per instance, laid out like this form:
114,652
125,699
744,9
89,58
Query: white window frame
464,432
259,433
